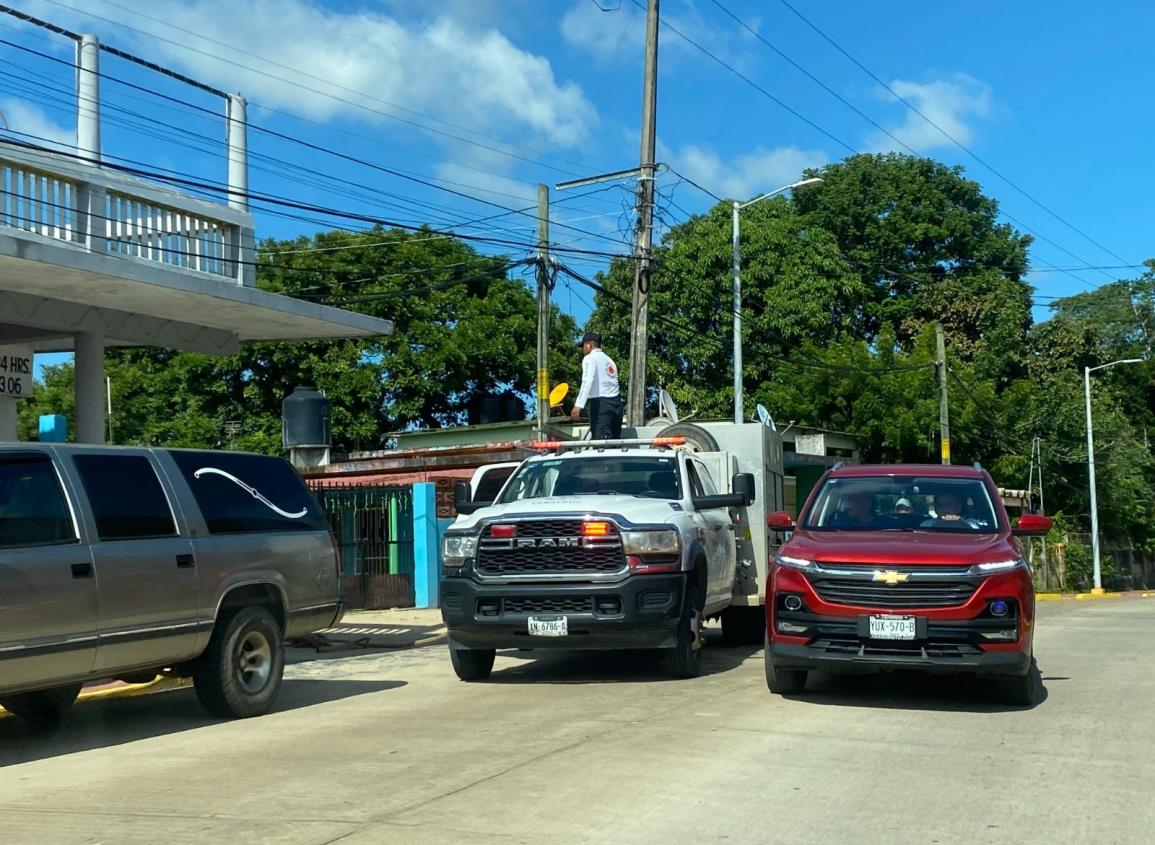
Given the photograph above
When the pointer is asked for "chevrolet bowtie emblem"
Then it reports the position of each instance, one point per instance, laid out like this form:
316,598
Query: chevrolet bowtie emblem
890,576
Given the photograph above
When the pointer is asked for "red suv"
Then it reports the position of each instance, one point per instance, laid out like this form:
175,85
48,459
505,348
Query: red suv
903,567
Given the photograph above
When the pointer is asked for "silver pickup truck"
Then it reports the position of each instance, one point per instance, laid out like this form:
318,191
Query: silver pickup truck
119,563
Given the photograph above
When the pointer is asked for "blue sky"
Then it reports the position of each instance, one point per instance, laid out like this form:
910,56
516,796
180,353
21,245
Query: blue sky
488,97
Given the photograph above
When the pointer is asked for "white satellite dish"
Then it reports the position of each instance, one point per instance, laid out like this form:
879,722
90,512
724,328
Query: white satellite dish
667,406
765,418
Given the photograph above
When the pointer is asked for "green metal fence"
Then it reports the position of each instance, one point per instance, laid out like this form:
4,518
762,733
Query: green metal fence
374,530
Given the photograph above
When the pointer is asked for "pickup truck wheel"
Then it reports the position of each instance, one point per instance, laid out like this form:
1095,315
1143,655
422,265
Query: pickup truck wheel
1022,690
239,674
686,656
473,664
43,708
743,625
782,681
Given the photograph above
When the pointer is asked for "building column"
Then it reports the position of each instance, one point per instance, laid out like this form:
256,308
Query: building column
9,429
426,546
90,397
88,97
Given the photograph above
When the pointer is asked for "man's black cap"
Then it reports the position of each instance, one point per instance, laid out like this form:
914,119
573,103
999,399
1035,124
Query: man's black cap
592,337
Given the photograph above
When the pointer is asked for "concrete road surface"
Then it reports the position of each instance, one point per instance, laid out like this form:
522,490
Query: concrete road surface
375,747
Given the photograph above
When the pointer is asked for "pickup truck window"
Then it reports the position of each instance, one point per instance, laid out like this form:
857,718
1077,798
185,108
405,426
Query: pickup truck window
654,478
925,503
239,493
127,499
33,510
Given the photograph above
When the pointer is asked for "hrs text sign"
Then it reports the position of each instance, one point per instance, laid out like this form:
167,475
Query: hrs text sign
15,372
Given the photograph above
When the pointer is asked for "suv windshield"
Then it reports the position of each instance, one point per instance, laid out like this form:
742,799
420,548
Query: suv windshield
922,503
655,478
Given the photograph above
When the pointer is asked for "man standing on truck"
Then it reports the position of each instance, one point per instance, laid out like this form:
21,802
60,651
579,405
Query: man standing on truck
600,390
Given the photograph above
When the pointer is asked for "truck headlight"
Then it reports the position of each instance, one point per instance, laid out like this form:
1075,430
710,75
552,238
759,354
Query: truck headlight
457,548
651,542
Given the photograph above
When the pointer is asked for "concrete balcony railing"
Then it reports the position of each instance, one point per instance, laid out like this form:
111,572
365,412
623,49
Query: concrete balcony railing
52,198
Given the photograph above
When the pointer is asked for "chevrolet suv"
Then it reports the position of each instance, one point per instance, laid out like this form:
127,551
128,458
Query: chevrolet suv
903,567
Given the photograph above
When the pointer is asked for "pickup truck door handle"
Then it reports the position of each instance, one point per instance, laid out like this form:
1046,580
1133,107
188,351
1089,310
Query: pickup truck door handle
185,561
82,570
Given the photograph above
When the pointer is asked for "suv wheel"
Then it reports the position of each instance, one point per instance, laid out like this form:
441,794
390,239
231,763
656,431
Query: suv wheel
472,664
782,681
43,708
1022,690
686,657
239,674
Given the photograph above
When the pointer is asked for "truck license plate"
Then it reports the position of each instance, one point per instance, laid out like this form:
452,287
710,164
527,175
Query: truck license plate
548,626
893,627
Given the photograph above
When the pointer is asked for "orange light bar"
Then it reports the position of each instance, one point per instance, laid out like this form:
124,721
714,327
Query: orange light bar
595,529
669,441
545,444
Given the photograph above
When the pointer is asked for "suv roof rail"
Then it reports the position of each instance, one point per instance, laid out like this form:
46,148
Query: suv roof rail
978,466
837,465
622,443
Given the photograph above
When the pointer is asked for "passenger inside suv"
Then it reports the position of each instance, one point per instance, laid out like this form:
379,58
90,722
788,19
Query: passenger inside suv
856,510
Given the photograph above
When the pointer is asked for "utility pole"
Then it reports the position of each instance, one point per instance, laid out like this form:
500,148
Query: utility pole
636,405
542,306
943,405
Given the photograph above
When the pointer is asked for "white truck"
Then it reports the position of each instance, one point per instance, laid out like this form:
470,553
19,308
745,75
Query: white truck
623,544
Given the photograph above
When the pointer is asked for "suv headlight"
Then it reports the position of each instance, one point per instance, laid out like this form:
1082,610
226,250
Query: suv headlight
794,562
457,548
651,542
998,566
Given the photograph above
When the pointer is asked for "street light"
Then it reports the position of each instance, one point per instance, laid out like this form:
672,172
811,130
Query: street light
1098,588
738,206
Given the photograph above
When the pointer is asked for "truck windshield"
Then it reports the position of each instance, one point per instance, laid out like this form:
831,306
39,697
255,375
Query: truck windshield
880,503
655,478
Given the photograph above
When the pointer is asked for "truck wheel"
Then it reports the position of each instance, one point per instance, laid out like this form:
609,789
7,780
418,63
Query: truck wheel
696,436
473,664
239,674
782,681
43,708
686,656
743,625
1022,690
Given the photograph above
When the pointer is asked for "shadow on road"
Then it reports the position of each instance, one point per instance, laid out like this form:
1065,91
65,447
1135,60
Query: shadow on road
912,691
106,722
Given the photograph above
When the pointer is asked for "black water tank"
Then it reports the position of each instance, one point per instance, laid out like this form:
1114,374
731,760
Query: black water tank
512,408
305,419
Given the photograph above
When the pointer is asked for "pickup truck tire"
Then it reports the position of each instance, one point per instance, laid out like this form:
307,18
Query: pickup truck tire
743,625
239,674
696,436
782,681
472,664
686,656
44,708
1022,690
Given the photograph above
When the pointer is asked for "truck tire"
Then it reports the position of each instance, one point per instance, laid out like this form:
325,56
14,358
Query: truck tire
43,708
472,664
782,681
1022,690
686,657
743,625
239,674
696,436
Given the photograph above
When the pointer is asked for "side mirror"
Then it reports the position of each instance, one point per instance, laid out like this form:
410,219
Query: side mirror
780,521
723,500
462,499
1032,525
744,483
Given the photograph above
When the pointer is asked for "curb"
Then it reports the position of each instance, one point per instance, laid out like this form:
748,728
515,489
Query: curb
1134,594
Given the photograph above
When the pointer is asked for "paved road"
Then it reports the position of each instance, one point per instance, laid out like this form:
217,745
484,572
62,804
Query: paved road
389,747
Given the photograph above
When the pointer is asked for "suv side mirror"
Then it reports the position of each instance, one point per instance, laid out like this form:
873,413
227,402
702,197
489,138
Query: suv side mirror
722,500
743,483
462,499
780,521
1032,525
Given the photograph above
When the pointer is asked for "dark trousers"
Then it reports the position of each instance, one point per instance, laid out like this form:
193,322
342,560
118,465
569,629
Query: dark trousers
606,418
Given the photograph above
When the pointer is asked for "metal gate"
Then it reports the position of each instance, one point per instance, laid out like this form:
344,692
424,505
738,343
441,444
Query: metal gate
373,527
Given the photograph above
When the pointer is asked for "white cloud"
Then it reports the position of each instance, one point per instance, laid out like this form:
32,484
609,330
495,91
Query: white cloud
747,175
607,35
32,125
452,69
951,103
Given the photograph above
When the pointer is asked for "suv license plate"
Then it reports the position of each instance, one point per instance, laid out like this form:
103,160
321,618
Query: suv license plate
893,627
548,626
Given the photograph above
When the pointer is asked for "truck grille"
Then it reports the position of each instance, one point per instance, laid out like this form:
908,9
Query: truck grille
545,547
549,604
912,594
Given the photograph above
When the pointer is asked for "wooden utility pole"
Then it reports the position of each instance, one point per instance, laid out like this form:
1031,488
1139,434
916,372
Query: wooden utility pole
543,312
943,405
643,244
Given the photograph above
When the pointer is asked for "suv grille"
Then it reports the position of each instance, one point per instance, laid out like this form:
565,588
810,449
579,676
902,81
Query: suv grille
549,604
914,593
545,555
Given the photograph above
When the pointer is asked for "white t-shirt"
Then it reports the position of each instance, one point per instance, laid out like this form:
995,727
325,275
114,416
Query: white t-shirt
599,378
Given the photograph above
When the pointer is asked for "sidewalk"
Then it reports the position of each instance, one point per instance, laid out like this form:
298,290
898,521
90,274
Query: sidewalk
1128,594
396,628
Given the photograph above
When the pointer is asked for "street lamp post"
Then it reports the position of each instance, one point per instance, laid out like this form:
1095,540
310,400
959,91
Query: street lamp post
1098,586
737,305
